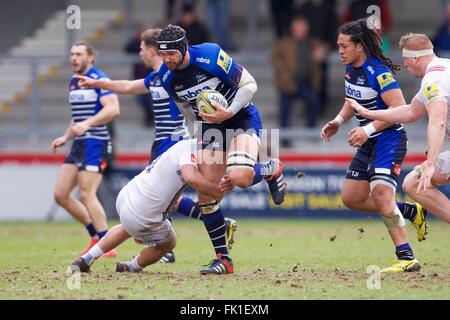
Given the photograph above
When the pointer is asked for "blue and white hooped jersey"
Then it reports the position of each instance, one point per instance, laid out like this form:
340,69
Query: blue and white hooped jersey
85,103
169,122
210,68
366,84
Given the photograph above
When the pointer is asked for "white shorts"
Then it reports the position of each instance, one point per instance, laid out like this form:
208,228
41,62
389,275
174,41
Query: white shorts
144,232
443,164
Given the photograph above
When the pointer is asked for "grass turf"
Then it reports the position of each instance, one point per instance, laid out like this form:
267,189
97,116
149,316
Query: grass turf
273,259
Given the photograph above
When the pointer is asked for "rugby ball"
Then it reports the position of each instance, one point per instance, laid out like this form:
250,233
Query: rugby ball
205,99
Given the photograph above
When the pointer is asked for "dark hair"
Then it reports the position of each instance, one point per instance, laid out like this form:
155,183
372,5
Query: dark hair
359,32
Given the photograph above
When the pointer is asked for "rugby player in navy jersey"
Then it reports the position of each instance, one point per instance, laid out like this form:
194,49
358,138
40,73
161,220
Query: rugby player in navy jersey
229,138
92,109
371,180
169,122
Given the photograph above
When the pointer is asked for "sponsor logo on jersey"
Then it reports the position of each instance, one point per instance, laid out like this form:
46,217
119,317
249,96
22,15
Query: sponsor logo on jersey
166,75
224,61
360,80
76,97
385,79
203,60
371,69
189,95
431,91
156,95
347,75
163,46
352,92
201,77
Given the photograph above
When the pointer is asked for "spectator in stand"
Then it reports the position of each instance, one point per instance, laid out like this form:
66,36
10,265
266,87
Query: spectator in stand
196,31
323,23
218,12
296,60
281,16
140,71
441,40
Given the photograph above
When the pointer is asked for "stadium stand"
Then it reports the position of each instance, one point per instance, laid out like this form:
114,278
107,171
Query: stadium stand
109,36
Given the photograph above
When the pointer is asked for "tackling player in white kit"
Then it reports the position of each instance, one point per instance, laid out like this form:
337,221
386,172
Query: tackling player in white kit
146,202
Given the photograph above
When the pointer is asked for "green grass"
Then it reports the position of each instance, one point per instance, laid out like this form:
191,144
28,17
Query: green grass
274,259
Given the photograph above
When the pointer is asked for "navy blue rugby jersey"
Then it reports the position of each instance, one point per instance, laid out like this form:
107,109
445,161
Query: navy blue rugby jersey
169,122
366,84
210,68
85,103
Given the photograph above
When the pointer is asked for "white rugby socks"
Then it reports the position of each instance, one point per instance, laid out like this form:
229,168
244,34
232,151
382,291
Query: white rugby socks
92,254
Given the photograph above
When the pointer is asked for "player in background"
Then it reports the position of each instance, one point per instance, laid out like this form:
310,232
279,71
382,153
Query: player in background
91,148
145,204
169,122
371,180
229,138
433,99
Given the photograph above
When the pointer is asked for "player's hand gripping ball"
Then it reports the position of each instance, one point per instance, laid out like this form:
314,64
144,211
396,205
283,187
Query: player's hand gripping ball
206,100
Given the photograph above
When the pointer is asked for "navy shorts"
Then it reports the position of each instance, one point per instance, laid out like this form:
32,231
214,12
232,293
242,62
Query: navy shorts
161,146
380,157
218,136
90,154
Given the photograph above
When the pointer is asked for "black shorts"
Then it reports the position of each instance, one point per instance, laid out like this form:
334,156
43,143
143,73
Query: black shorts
90,154
380,157
218,136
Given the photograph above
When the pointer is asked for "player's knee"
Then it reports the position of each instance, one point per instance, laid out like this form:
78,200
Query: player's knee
348,200
60,197
85,195
410,183
240,168
169,244
172,242
382,197
242,178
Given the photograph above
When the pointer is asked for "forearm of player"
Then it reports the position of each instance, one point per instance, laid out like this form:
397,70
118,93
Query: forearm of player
109,111
69,134
196,180
246,89
345,114
123,86
436,129
401,114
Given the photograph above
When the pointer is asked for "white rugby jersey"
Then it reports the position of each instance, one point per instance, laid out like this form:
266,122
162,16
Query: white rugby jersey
85,103
151,195
436,85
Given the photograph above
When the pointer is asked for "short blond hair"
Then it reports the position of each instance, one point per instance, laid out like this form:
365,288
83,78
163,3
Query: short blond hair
415,41
150,37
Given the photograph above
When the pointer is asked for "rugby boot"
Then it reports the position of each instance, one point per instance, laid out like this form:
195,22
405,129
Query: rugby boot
230,229
420,222
276,183
403,266
218,266
80,266
169,257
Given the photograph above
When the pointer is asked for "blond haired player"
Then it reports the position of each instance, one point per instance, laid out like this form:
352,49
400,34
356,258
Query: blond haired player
432,99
